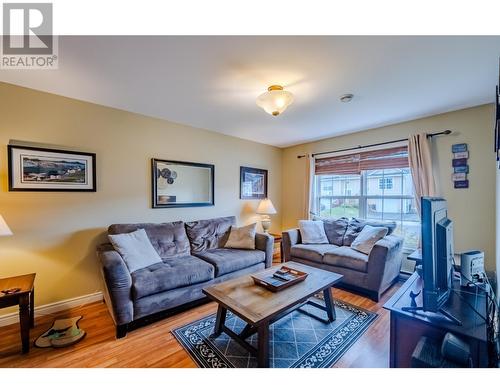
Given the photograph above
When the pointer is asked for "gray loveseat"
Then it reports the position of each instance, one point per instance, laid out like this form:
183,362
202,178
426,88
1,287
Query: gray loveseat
369,274
193,257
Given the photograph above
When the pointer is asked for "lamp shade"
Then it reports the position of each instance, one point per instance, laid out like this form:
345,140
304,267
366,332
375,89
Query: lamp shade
4,228
266,207
275,100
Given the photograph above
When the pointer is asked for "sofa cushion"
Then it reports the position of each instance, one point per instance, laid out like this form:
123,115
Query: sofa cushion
242,237
312,232
312,252
135,249
229,260
173,272
335,228
367,238
348,258
356,225
209,234
169,239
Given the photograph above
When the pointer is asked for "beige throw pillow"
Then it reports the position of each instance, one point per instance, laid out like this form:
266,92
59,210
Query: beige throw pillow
135,249
312,232
242,237
367,238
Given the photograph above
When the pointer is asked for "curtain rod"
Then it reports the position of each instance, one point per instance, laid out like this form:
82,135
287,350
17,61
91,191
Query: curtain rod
445,132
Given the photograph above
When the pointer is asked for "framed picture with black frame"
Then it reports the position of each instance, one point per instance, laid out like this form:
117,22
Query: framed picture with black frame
177,184
50,170
253,183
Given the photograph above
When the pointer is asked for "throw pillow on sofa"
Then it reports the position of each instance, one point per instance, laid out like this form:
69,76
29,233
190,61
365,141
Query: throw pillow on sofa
356,225
367,238
312,232
135,249
335,228
242,237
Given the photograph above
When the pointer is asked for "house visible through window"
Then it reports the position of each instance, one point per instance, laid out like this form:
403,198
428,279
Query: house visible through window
377,188
385,183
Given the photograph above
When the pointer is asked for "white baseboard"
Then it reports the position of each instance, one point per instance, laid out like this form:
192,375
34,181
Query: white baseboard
47,309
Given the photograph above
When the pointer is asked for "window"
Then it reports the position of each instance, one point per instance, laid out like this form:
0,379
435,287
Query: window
373,190
385,183
343,196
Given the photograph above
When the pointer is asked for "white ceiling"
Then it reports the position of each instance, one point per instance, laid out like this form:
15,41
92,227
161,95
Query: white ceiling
211,82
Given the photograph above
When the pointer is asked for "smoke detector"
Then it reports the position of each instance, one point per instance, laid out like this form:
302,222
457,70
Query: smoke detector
346,98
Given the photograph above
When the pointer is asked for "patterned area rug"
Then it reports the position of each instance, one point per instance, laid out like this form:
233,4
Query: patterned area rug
297,340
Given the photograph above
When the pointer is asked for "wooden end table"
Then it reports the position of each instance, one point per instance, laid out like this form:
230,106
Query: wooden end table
25,298
259,307
278,240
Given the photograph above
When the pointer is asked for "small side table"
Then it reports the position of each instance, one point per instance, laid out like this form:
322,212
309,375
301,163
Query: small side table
416,256
25,298
278,240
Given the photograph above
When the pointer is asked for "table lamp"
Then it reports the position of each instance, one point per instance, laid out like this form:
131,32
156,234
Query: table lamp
266,208
4,228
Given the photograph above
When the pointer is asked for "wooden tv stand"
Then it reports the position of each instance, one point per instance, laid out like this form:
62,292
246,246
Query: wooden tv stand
408,327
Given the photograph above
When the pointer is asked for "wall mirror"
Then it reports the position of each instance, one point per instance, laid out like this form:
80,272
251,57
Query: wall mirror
182,184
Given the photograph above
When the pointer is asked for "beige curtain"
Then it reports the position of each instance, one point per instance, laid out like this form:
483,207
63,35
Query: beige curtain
420,160
309,187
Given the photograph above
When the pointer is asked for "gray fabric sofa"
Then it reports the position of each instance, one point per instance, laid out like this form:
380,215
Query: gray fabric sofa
369,274
193,257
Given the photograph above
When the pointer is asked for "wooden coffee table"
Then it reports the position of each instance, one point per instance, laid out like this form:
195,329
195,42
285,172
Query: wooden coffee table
259,307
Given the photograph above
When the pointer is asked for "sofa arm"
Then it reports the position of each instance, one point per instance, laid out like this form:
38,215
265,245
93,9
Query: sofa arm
384,262
288,240
118,284
265,242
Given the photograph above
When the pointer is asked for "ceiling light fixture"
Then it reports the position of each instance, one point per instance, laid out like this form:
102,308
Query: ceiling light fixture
275,100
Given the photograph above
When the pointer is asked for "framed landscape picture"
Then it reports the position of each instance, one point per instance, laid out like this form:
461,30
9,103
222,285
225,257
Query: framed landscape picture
41,169
253,183
179,184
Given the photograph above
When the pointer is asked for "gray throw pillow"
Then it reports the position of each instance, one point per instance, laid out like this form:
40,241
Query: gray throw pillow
367,238
242,238
135,249
335,228
312,232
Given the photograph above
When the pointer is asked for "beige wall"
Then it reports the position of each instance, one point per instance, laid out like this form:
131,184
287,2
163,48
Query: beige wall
473,209
55,234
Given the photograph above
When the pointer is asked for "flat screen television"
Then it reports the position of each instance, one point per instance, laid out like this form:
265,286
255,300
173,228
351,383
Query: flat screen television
437,253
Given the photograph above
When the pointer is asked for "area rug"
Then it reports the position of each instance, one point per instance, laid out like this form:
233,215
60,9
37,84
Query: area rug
297,340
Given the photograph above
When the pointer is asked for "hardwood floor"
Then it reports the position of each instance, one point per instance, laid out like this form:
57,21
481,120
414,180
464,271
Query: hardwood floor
154,345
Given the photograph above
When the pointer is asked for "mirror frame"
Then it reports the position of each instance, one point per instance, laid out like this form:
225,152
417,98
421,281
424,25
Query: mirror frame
156,205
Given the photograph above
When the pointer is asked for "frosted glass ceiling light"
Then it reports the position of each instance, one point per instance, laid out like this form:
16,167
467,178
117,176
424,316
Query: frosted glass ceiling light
275,100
